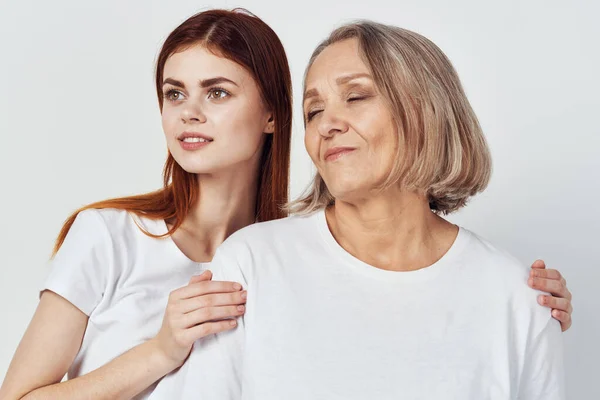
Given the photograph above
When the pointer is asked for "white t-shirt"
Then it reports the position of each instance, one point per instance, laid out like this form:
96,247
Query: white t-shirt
321,324
119,277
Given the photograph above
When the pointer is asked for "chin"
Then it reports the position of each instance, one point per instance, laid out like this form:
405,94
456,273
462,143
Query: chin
196,166
345,193
204,166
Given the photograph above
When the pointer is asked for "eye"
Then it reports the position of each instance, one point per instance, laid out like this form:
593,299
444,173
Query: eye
312,114
358,98
352,97
217,93
173,95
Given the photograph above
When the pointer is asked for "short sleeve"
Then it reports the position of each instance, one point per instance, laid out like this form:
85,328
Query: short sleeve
543,373
80,269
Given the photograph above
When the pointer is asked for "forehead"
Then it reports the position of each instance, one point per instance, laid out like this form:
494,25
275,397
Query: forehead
197,62
341,58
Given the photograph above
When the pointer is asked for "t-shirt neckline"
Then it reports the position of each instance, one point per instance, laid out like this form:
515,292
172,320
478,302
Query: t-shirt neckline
163,230
426,273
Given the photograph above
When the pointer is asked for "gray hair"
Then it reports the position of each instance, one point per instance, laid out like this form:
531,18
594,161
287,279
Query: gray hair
442,150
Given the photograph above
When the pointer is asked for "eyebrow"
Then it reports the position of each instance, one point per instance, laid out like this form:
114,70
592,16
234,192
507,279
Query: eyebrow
203,83
310,93
214,81
347,78
342,80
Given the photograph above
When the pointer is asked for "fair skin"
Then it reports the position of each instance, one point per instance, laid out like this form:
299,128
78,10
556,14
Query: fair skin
391,229
205,94
227,177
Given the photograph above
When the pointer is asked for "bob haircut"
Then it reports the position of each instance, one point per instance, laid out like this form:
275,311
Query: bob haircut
441,148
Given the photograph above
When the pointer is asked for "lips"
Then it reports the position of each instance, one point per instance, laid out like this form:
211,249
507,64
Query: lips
193,140
334,153
194,137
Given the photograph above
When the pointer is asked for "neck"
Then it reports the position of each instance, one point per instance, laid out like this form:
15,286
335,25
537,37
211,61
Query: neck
394,230
227,203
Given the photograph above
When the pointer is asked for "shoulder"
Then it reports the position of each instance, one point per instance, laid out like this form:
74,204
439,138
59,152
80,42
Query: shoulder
111,232
89,226
503,275
492,258
241,250
116,225
503,282
263,233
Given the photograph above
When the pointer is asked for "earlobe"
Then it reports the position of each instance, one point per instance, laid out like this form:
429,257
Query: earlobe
270,127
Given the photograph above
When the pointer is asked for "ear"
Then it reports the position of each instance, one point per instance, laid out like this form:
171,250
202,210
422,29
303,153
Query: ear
270,126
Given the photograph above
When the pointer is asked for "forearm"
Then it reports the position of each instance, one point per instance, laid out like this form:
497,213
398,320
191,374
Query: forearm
122,378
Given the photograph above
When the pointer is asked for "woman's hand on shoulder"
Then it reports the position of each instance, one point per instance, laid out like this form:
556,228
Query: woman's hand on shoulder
552,281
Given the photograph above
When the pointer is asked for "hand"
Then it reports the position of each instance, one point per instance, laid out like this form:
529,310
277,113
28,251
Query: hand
551,281
201,308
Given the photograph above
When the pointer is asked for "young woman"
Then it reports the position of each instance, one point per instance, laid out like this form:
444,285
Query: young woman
224,91
369,293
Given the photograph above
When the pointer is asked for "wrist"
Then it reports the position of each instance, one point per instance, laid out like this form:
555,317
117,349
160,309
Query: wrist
161,356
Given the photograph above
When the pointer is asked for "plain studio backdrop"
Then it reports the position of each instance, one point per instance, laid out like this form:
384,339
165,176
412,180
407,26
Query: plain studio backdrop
80,122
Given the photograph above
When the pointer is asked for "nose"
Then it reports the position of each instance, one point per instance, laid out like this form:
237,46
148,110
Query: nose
191,113
331,123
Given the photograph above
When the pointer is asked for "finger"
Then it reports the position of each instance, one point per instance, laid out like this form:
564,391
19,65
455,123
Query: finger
205,276
213,300
540,264
549,285
211,314
563,317
556,303
556,275
546,273
209,328
207,287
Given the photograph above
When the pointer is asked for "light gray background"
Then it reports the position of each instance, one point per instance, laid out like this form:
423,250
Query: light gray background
79,123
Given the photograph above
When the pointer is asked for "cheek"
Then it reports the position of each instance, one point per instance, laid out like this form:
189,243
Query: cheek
383,150
168,120
312,143
244,130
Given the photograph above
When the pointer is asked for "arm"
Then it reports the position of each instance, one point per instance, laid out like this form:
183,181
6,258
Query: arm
551,281
49,347
543,372
54,337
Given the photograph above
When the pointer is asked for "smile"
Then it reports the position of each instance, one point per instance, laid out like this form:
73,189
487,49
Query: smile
193,140
335,153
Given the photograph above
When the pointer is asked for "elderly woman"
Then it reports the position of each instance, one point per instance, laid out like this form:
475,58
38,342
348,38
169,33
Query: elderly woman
348,299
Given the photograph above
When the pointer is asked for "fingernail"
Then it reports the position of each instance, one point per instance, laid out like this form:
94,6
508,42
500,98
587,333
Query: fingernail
244,294
237,286
233,322
530,281
241,308
543,300
535,273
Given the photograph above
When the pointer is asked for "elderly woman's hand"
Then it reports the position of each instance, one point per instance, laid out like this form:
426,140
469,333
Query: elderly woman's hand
551,281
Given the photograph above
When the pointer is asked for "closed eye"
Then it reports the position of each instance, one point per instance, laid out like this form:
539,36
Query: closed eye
312,114
357,98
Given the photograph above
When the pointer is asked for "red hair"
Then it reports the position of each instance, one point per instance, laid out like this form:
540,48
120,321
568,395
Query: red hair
245,39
